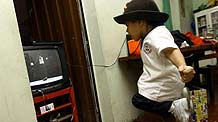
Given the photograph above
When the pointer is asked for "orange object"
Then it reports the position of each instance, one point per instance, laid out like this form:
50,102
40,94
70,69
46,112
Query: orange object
195,39
134,47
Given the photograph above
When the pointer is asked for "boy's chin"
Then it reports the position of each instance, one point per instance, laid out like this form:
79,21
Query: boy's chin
136,39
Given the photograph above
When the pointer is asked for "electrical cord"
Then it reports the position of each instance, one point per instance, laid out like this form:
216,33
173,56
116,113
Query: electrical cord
43,95
114,62
102,65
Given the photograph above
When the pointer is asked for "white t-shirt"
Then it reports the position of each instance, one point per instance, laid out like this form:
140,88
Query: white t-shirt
160,80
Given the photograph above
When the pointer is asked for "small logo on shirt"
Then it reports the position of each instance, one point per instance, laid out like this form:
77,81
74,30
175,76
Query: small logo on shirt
147,48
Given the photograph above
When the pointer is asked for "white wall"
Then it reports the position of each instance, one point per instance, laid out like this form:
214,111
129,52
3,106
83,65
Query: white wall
175,14
159,4
188,17
197,3
15,96
180,22
116,84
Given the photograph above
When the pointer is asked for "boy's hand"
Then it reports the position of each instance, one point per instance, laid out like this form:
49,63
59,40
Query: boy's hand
187,73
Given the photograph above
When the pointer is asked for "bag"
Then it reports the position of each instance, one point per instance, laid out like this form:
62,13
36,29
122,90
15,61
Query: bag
179,38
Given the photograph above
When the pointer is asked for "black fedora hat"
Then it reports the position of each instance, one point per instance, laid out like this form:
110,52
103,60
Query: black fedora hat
140,10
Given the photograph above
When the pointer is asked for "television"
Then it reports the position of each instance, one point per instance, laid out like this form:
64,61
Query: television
47,67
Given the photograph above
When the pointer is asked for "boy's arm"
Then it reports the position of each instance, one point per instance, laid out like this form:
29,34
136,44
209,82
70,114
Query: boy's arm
176,57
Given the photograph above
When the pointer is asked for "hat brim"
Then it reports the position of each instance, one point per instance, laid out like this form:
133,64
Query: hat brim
151,16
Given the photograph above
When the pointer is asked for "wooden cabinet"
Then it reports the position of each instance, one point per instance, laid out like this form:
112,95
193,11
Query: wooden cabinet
58,106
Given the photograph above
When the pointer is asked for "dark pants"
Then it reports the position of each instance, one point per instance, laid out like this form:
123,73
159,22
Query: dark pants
148,105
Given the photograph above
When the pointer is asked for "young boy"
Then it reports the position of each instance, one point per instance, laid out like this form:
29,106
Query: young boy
164,69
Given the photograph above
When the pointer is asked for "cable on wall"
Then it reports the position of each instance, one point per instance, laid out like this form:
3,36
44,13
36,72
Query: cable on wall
102,65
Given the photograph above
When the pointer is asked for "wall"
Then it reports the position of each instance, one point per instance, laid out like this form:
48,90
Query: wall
115,84
16,100
197,3
187,17
181,18
175,14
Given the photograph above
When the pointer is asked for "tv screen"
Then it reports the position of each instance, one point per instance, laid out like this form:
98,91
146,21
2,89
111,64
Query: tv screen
47,68
44,66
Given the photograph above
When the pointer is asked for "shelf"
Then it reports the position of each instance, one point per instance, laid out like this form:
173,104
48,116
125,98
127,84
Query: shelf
197,48
51,95
215,23
64,118
129,58
63,103
55,109
202,26
191,49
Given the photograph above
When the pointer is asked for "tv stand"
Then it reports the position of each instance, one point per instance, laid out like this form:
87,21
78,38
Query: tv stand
57,106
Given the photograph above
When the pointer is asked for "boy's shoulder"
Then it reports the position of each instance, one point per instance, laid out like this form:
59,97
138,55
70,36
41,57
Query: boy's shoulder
159,32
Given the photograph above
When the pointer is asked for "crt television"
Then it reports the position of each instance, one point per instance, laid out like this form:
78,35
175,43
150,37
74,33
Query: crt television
47,67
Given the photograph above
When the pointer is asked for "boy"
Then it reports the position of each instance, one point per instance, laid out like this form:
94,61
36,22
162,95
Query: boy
164,69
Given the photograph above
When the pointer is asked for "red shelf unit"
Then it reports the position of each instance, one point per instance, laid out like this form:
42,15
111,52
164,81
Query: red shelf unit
64,103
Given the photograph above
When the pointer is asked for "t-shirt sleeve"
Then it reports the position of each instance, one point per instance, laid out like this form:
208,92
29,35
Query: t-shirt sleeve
162,41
